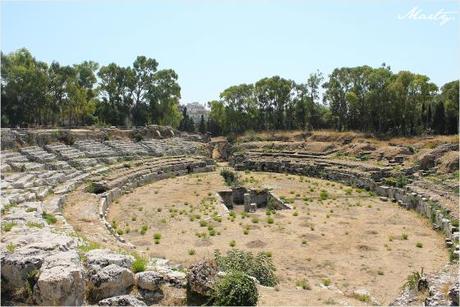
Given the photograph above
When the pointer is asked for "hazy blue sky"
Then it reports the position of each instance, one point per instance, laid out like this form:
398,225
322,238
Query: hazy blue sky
215,44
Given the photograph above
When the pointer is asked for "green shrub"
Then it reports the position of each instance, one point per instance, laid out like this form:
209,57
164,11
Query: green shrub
362,297
303,284
270,220
49,218
419,245
260,266
326,282
139,264
400,181
235,289
413,279
157,236
144,229
191,252
232,243
323,195
230,177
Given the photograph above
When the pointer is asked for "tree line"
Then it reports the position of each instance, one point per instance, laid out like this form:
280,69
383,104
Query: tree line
362,98
37,94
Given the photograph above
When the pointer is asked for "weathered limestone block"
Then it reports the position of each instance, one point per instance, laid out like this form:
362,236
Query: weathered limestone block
99,258
202,276
176,279
121,300
110,281
61,281
149,280
17,266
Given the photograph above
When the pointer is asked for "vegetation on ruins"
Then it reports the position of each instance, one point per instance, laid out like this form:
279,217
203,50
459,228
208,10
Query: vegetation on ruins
235,289
230,177
139,264
374,100
400,181
49,217
259,266
413,279
7,226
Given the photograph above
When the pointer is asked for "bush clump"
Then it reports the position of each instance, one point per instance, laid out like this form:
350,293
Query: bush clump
400,181
230,177
139,264
235,289
49,218
260,266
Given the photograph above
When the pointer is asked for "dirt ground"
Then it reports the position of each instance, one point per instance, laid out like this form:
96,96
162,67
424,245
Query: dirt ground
350,238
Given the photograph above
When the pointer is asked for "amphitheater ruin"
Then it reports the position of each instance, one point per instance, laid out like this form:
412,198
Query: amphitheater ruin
79,207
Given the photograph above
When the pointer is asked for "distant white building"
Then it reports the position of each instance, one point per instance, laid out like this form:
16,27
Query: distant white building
195,110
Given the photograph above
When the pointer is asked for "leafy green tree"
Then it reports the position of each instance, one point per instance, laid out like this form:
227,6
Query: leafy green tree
439,119
450,96
163,98
202,127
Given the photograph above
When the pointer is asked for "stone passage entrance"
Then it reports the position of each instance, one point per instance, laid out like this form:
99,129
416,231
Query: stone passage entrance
251,199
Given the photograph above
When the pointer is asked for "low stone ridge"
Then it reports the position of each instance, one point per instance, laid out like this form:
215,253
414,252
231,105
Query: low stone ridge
17,138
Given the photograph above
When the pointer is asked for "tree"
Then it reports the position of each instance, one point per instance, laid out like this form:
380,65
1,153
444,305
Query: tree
450,96
439,119
217,117
163,98
115,88
186,123
240,106
202,127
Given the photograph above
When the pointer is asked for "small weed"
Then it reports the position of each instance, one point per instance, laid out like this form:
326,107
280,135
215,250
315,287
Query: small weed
34,225
323,195
7,226
49,218
303,284
11,247
326,282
